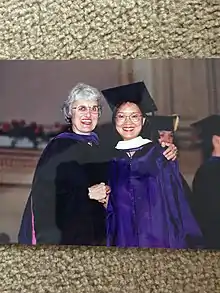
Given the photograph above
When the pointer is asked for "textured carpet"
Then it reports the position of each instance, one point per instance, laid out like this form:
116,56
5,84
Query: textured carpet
106,29
103,270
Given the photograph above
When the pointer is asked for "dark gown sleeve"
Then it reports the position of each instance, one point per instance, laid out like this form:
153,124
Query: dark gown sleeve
202,186
98,172
199,196
43,192
187,190
74,208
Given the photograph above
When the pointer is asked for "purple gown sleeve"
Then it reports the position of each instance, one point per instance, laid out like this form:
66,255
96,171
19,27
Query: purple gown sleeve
170,181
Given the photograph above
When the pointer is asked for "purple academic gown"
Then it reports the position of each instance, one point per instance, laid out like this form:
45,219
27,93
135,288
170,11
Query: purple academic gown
147,205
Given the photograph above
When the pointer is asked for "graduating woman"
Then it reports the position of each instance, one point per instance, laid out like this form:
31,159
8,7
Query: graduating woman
147,206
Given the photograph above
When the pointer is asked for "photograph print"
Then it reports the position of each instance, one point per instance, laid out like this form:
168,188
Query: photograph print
116,153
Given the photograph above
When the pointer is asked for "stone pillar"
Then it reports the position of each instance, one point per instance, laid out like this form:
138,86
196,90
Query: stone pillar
142,71
126,72
213,80
188,87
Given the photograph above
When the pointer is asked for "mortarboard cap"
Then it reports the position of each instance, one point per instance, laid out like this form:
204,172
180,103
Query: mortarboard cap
208,126
135,92
165,123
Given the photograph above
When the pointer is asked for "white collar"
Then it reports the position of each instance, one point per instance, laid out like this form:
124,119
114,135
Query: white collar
132,143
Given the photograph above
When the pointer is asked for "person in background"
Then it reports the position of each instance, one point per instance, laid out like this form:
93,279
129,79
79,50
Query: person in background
163,128
206,182
147,205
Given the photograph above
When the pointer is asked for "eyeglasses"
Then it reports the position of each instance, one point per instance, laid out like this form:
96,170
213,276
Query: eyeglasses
85,109
134,117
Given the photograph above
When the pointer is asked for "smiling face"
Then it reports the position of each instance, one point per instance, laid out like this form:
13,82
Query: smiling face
129,121
85,115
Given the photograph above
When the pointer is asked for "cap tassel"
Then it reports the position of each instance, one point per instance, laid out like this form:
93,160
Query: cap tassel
176,123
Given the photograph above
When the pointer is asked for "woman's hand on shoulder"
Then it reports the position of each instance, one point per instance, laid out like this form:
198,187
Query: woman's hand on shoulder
171,152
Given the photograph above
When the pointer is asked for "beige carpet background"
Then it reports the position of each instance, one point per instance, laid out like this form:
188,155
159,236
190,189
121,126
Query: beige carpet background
61,29
55,29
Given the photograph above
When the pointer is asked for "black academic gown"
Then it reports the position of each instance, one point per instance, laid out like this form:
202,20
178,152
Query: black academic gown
206,201
59,203
188,191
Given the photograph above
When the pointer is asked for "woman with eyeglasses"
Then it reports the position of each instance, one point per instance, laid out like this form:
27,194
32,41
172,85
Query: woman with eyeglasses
59,210
147,206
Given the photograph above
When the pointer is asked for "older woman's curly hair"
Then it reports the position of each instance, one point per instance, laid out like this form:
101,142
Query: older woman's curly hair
81,92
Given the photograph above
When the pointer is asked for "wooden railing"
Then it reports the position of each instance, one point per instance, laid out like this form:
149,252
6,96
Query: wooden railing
17,166
17,158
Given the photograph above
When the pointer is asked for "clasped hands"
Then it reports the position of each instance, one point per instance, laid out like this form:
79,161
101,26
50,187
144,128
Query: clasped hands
100,192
